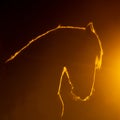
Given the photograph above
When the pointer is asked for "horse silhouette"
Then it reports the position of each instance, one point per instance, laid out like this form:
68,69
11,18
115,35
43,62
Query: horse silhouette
32,78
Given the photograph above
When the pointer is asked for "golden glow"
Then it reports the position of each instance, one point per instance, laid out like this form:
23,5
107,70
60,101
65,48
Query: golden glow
113,77
98,62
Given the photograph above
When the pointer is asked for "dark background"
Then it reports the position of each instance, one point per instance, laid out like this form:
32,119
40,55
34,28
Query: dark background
21,21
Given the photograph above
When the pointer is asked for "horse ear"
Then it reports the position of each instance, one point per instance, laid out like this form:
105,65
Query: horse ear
90,28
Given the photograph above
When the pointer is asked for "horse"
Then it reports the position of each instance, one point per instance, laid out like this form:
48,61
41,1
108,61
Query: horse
57,65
